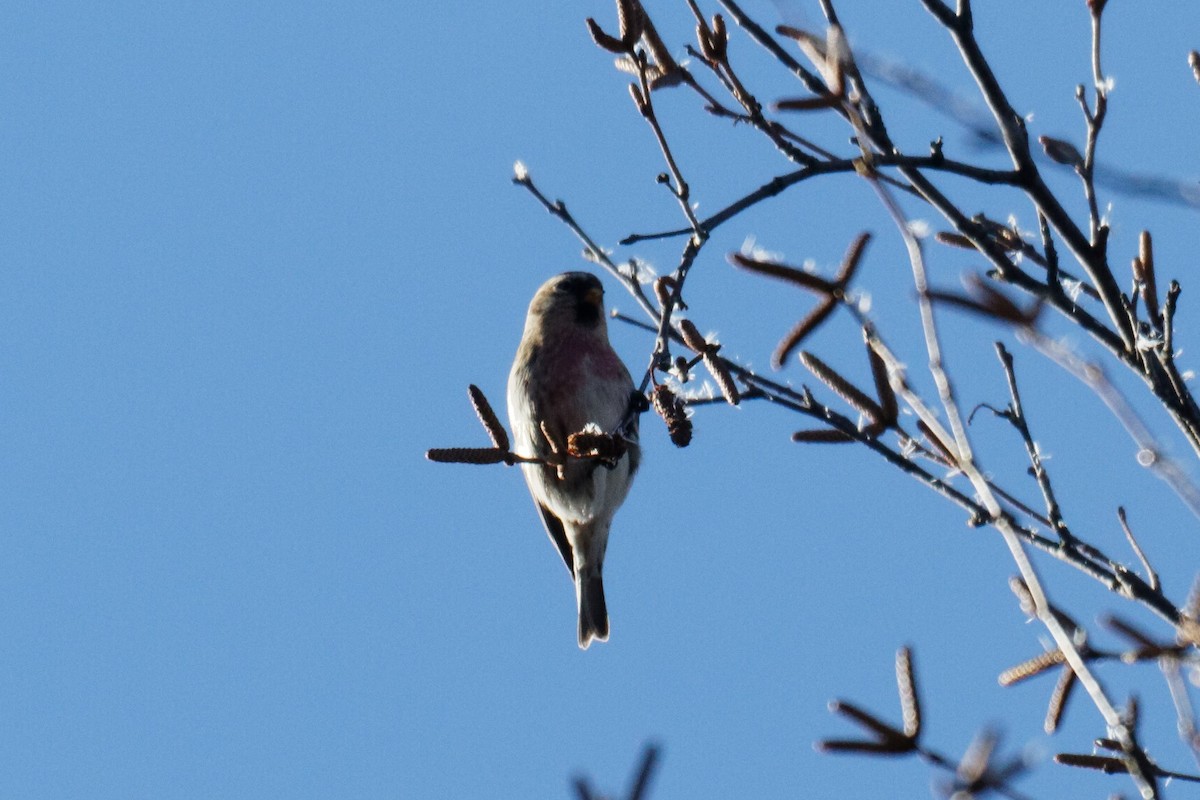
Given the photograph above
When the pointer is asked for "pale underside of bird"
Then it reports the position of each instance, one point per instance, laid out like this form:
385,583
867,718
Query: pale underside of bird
566,377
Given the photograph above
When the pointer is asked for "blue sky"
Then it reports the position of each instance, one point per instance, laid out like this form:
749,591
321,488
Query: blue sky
253,255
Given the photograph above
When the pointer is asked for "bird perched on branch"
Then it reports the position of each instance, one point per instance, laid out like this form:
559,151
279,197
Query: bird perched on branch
566,379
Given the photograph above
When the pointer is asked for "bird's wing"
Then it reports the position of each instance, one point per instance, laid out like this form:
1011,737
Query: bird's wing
558,535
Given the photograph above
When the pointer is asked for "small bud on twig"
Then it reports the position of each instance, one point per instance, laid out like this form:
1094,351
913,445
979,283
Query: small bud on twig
713,41
663,287
1144,273
1061,152
720,36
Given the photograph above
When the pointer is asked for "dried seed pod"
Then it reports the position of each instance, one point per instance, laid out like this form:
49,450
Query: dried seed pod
1061,152
672,411
491,423
595,444
466,455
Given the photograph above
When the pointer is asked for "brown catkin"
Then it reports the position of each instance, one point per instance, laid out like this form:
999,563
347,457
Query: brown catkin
491,423
466,455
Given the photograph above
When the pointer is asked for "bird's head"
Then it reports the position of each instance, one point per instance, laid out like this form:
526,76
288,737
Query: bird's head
572,300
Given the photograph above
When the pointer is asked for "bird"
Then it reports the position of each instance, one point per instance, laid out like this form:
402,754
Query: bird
567,378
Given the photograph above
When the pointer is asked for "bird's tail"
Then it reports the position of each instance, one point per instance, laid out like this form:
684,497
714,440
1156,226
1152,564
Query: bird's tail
593,613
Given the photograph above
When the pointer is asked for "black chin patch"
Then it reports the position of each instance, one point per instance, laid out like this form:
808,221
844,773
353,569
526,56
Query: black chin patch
587,314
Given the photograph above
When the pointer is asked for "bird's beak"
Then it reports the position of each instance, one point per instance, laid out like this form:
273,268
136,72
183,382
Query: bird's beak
595,297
